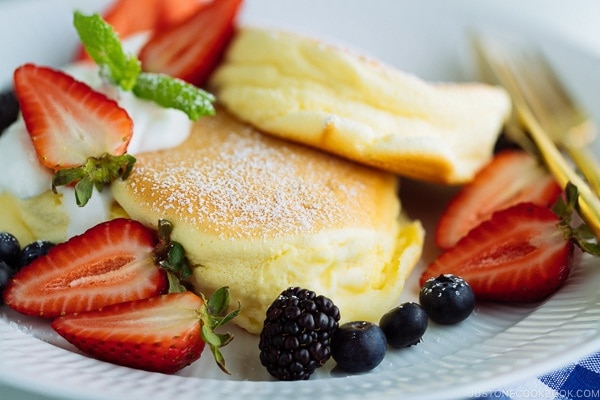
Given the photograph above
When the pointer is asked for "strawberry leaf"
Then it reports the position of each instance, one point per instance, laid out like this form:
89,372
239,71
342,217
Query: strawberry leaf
175,285
218,302
96,172
582,235
170,255
83,191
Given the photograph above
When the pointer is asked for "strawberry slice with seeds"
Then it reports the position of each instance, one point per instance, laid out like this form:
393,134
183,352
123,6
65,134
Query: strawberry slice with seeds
109,263
512,177
521,254
67,120
160,334
79,133
191,50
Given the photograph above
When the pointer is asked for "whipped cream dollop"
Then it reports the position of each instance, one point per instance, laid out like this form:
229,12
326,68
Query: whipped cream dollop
155,128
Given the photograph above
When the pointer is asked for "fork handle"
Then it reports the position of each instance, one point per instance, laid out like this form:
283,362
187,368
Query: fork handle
587,164
589,204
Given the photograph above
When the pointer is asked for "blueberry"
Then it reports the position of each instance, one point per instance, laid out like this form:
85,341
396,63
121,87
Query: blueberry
34,250
10,249
404,325
358,346
6,273
9,109
447,299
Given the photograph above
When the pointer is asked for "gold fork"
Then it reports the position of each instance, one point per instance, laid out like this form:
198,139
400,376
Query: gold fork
549,115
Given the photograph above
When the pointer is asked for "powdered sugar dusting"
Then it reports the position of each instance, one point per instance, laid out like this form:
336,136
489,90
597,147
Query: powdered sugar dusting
238,183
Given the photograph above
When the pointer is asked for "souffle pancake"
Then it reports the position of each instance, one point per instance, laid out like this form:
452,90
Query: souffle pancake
259,215
329,97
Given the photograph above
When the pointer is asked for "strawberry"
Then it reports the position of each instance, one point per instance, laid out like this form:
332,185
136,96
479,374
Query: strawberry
190,50
128,17
67,120
75,130
523,253
512,177
173,12
109,263
160,334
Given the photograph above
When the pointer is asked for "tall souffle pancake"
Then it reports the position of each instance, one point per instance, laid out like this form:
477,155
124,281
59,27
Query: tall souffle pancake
332,98
259,215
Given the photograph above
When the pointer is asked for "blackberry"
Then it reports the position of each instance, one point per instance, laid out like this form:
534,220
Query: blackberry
296,335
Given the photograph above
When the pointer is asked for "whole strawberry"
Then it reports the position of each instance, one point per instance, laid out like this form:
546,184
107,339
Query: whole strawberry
159,334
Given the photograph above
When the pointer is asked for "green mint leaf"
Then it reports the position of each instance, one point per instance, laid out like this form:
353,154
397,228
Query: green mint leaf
174,93
102,44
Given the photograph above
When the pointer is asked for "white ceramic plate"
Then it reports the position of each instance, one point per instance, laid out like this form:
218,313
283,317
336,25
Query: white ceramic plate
497,345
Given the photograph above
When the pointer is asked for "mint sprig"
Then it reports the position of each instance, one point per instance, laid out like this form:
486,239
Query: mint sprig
170,92
103,45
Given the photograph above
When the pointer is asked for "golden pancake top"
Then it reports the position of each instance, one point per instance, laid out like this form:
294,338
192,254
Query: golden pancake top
230,180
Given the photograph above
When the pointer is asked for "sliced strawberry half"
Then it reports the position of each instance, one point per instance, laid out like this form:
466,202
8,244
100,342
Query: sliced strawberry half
520,255
109,263
128,17
161,334
67,120
511,177
191,50
173,12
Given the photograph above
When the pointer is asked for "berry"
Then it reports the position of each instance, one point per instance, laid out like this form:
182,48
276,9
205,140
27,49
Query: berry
111,262
447,299
522,254
34,250
6,273
297,332
510,178
161,334
190,50
358,346
9,109
79,133
10,249
80,123
404,325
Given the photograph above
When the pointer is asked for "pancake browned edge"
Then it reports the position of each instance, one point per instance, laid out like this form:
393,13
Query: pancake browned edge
259,215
